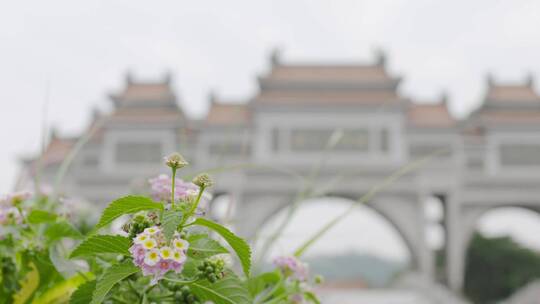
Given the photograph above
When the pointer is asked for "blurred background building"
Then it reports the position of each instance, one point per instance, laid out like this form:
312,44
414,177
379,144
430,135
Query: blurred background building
350,120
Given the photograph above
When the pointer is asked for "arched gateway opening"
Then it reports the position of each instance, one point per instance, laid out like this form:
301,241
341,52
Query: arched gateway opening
503,254
364,250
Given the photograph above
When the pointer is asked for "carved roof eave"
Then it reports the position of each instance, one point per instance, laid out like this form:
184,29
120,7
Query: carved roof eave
157,124
273,84
394,105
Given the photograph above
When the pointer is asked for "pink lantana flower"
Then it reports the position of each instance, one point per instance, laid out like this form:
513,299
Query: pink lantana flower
161,188
155,256
292,267
9,213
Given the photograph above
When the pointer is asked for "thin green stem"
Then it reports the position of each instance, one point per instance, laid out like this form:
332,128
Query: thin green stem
130,284
65,165
301,196
181,281
172,188
164,297
368,197
196,204
278,299
193,208
119,300
272,291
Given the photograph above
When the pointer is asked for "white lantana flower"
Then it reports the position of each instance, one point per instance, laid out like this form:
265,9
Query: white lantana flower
152,257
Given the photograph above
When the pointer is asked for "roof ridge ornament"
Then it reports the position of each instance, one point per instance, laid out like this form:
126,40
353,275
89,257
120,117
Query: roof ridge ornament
490,79
275,56
380,56
129,78
167,78
444,97
530,79
212,96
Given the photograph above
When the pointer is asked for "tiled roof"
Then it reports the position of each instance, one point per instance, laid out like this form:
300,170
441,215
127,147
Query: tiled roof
430,115
327,84
147,115
329,73
228,114
56,151
512,93
145,93
510,117
329,98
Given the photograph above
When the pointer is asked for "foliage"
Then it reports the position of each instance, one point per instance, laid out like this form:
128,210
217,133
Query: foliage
239,245
497,267
166,254
126,205
102,244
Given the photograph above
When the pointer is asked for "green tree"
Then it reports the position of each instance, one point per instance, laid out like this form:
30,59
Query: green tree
497,267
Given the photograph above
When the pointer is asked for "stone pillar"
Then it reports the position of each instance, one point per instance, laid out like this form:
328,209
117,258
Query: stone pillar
425,255
455,251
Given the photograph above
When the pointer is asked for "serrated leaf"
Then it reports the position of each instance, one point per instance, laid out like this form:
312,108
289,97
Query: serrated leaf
59,259
201,246
311,297
239,245
126,205
112,276
41,216
60,230
170,221
28,286
260,283
229,290
61,292
83,294
48,274
102,244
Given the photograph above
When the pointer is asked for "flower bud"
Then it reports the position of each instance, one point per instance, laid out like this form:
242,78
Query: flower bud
176,161
319,279
19,197
203,180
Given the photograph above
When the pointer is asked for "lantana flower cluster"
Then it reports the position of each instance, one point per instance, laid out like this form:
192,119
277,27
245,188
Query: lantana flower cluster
9,213
297,273
161,188
155,256
292,267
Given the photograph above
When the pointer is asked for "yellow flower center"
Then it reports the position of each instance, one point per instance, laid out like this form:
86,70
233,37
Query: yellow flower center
165,253
149,244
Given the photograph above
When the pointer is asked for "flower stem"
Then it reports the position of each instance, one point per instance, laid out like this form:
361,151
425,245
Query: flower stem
181,281
196,204
172,188
192,209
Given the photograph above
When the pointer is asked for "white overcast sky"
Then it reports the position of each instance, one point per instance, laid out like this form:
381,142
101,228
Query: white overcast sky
76,52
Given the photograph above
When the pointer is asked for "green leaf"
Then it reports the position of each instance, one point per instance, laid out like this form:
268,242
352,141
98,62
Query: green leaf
170,221
201,246
262,282
229,290
112,276
190,268
102,244
41,216
28,286
48,275
83,294
312,297
238,244
57,231
63,265
126,205
60,293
